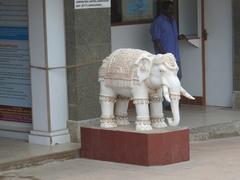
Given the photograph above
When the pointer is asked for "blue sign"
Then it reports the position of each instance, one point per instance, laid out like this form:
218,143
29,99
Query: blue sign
137,7
14,33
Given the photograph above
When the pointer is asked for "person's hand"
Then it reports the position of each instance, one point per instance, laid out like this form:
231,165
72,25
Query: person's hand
158,46
182,37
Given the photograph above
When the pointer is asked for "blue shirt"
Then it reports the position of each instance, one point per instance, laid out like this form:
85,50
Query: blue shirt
165,31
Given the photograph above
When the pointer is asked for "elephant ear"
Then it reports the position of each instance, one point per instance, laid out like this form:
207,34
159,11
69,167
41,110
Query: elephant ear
143,68
170,61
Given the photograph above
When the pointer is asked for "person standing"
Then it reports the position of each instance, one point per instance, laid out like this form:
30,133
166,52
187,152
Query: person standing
165,34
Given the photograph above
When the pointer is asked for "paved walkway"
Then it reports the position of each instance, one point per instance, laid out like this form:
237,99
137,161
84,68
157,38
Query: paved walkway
210,160
18,154
204,123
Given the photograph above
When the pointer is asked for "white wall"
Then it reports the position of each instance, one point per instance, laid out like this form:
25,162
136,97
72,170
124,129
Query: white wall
219,83
131,36
191,61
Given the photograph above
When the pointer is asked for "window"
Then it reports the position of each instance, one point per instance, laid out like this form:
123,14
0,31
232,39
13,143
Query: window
136,11
133,11
188,18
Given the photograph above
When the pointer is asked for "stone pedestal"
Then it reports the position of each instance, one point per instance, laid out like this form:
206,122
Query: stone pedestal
125,145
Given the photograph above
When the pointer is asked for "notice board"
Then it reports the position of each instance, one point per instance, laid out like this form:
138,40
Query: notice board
15,84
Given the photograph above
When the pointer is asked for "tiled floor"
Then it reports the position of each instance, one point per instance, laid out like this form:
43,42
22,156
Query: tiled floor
199,116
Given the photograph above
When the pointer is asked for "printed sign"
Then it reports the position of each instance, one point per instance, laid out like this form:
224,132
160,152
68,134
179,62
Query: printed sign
15,84
88,4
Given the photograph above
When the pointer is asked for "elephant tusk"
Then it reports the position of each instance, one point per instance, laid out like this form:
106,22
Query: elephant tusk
166,93
186,94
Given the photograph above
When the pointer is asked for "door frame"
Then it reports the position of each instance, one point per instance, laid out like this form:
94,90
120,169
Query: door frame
203,39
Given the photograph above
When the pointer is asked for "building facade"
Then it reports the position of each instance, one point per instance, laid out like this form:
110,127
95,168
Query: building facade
66,44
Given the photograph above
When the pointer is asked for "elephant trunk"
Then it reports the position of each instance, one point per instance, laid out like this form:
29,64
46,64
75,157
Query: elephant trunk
174,99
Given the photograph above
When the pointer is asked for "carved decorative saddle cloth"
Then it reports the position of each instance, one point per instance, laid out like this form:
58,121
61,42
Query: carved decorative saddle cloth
123,63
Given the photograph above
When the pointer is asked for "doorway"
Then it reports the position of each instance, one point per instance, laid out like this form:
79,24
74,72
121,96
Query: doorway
218,52
192,50
207,69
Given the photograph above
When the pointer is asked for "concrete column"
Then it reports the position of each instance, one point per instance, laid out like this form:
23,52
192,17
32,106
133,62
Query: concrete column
88,42
48,72
236,54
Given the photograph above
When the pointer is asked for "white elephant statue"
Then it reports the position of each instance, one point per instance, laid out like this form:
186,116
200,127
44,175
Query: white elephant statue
145,78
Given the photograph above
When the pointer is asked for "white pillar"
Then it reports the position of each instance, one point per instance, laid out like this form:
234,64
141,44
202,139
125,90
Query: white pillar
48,73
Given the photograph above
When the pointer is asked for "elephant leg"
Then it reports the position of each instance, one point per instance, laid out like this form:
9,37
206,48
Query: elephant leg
107,100
140,100
121,109
156,110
